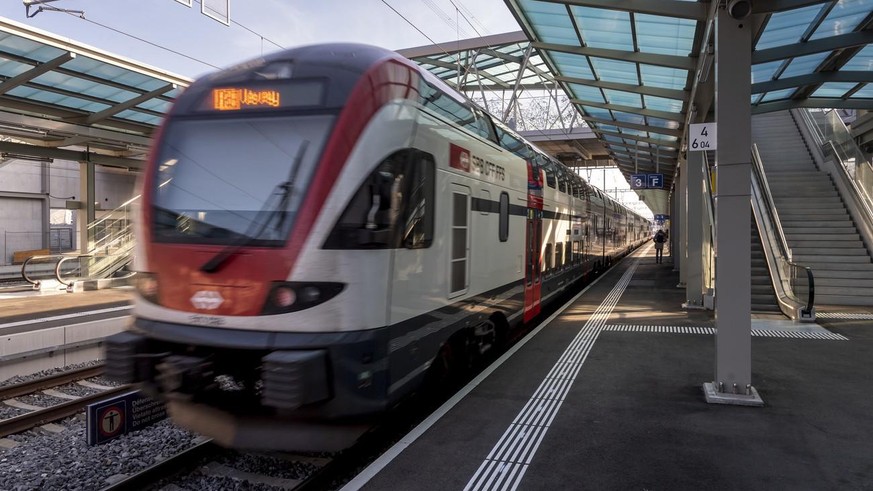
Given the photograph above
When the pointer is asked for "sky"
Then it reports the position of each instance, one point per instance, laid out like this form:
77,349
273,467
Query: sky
203,44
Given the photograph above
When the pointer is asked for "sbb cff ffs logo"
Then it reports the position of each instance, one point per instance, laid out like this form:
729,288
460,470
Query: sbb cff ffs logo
207,300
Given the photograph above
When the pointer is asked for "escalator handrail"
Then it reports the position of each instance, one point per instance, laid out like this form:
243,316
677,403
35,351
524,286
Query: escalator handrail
758,166
27,261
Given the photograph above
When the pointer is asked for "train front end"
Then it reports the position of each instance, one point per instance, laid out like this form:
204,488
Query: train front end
251,330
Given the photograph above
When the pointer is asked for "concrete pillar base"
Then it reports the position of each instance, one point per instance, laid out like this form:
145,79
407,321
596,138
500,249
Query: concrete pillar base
713,396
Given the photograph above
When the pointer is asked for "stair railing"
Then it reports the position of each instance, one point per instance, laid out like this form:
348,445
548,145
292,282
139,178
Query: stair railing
785,274
845,162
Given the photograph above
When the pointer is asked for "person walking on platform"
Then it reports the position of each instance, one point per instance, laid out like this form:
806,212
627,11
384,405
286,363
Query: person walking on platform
659,239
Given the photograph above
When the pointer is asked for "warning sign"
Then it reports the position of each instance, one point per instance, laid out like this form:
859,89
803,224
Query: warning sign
111,421
120,415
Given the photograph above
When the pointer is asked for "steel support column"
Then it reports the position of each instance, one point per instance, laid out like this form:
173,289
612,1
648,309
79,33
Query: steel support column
694,218
87,213
45,188
681,229
733,359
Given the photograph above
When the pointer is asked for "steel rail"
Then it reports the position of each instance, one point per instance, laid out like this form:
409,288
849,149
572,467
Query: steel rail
167,468
47,415
49,382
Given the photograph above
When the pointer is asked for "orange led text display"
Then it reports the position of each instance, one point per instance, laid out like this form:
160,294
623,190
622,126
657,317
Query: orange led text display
232,99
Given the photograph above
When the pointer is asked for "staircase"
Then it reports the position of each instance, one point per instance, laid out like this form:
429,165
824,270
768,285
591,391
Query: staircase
764,299
819,230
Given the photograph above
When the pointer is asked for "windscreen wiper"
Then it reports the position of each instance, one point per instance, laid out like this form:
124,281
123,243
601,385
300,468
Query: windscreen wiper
284,190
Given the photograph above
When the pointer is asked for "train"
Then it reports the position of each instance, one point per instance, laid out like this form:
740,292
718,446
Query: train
324,230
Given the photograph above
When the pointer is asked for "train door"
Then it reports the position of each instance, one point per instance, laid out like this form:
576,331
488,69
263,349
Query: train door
533,271
460,246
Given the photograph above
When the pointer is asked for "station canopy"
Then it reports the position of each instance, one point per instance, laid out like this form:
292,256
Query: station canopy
639,71
60,99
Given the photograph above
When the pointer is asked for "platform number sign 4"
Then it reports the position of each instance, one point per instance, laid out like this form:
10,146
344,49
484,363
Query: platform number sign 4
702,137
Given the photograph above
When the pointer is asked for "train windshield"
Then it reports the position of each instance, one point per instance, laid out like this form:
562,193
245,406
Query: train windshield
222,181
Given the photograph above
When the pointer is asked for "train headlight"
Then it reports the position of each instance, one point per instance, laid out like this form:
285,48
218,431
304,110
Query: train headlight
288,296
147,286
284,297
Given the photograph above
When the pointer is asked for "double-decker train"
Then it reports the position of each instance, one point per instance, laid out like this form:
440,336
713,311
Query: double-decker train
323,228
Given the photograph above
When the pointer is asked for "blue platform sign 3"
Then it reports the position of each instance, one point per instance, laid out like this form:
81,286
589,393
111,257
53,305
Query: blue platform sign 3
655,181
638,181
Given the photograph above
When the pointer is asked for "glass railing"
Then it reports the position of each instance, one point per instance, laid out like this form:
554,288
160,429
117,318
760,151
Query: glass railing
835,139
789,277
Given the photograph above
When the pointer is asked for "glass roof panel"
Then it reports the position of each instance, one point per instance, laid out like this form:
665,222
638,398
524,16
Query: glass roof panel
623,98
631,131
628,117
601,28
777,95
615,71
804,65
764,72
651,39
667,78
587,93
844,18
833,89
662,123
866,92
550,21
663,104
787,27
862,62
570,65
611,138
607,127
597,112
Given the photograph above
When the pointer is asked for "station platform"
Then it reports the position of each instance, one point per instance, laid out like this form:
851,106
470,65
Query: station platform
21,306
608,395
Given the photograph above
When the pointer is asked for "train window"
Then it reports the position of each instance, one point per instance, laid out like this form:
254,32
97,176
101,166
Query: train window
568,258
562,184
559,260
503,228
577,251
550,177
456,111
549,258
460,241
393,207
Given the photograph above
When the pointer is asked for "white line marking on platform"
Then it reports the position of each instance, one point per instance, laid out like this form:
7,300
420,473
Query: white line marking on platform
519,443
844,315
821,333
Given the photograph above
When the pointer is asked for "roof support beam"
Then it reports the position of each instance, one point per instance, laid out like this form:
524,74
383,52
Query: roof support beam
452,66
811,79
464,45
75,156
665,153
770,6
653,141
633,110
814,102
34,72
636,89
669,61
634,126
667,8
831,43
111,111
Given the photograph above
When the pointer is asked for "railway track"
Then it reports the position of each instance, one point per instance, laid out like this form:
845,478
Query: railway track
34,418
205,460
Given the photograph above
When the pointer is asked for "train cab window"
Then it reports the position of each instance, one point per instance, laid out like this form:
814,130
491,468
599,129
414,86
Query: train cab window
503,227
549,258
393,207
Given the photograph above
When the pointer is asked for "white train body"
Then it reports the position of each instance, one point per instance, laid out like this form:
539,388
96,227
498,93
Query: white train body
309,252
